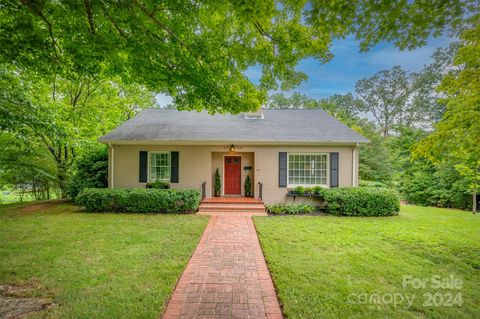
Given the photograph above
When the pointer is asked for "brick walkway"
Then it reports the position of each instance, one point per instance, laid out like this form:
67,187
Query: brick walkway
227,276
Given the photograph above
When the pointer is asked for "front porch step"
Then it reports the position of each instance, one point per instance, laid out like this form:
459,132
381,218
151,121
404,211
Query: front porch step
232,200
234,207
259,210
231,205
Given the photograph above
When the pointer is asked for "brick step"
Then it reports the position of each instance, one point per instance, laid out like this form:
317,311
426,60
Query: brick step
232,200
229,209
234,206
233,213
240,214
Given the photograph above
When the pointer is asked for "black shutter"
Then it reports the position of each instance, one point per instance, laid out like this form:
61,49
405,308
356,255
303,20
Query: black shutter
174,167
142,176
282,169
333,169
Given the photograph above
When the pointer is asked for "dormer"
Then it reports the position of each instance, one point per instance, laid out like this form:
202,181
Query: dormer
257,115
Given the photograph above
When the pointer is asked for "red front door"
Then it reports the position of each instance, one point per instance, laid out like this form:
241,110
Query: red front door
233,174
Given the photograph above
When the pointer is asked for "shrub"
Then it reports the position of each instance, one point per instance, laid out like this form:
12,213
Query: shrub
361,201
318,190
290,208
372,184
158,185
300,190
218,183
91,170
164,201
248,186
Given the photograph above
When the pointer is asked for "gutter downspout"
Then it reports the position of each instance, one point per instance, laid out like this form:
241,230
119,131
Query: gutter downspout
112,165
354,164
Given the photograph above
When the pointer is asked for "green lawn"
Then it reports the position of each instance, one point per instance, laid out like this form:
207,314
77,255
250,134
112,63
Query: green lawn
96,265
332,267
7,197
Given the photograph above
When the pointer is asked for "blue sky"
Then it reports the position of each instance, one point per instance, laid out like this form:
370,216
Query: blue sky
349,65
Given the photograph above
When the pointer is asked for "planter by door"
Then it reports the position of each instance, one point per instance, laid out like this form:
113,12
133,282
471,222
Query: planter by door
233,175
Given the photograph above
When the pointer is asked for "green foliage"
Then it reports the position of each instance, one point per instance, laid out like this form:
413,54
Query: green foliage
363,183
456,137
158,185
198,52
63,115
375,161
25,167
163,201
299,190
91,171
290,208
217,186
318,190
248,186
398,99
344,107
361,201
428,184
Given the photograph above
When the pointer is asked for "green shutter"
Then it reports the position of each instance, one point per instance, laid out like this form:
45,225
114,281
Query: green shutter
174,176
143,164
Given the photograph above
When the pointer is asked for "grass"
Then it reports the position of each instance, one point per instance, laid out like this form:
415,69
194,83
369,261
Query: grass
7,197
324,267
96,265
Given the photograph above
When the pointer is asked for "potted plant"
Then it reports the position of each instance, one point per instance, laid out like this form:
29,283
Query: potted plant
248,186
217,186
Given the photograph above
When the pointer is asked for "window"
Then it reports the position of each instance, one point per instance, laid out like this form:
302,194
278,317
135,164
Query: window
159,164
308,169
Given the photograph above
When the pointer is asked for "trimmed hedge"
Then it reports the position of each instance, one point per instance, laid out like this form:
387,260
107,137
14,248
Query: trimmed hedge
361,201
163,201
290,208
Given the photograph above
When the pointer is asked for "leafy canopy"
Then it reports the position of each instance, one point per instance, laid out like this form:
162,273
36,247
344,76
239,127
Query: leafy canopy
198,51
457,136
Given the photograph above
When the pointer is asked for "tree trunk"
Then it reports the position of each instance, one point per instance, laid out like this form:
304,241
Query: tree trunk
475,185
474,209
62,178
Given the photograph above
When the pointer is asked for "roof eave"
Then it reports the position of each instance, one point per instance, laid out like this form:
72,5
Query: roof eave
222,142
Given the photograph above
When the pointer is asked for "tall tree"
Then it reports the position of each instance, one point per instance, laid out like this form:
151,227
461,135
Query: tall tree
397,99
344,107
198,51
63,114
296,100
457,135
425,106
385,95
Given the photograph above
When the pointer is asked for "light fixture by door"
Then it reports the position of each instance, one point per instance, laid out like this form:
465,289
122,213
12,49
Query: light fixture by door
232,148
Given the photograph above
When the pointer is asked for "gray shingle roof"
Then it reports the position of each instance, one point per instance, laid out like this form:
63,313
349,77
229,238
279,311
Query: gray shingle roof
306,125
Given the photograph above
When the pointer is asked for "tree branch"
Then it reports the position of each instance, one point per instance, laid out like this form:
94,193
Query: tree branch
264,33
120,31
165,28
88,11
36,11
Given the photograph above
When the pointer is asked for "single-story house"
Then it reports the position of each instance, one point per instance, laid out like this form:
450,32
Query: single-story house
278,149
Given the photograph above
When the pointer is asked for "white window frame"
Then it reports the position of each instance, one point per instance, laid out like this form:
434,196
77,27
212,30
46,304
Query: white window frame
169,167
308,185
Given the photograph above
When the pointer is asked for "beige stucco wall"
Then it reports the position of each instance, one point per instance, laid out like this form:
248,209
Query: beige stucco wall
198,163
